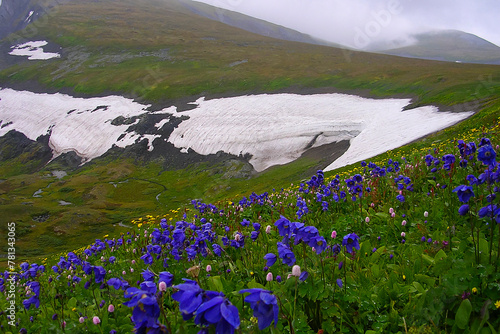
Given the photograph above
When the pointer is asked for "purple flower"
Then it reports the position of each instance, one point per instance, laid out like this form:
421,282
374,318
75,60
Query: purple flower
286,254
147,258
220,312
319,244
217,249
283,226
350,241
166,277
484,141
464,193
264,305
189,297
488,210
486,154
33,300
146,310
147,275
472,180
99,273
271,259
463,210
117,283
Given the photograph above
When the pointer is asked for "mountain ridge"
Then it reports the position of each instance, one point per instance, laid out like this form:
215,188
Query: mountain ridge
449,45
253,24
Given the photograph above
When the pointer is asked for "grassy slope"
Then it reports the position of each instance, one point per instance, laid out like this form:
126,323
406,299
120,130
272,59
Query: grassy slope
102,42
199,52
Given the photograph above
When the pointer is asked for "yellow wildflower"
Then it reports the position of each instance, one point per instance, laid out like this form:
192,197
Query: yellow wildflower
497,304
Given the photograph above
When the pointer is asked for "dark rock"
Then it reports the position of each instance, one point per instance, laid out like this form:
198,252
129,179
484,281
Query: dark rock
15,144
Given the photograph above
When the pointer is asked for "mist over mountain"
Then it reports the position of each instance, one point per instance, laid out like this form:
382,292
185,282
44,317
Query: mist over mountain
446,45
252,24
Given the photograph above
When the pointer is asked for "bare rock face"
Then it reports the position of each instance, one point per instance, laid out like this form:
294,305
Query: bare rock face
14,16
31,154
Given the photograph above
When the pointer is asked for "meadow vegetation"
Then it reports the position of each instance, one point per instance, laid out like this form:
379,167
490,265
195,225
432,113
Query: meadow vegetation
406,242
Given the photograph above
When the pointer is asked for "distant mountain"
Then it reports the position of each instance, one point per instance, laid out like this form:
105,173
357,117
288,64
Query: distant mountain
252,24
15,15
449,45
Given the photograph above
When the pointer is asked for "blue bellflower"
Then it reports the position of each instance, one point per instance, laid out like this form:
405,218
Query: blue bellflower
264,305
350,241
487,155
464,193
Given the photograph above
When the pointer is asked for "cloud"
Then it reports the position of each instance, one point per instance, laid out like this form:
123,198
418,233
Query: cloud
359,23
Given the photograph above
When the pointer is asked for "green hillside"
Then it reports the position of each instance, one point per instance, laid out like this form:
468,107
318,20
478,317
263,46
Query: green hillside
160,52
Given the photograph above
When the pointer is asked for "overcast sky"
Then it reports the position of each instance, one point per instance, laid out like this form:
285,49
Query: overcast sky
359,23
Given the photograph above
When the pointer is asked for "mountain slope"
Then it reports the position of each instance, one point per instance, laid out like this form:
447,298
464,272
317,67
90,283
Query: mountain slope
160,52
251,24
450,45
16,15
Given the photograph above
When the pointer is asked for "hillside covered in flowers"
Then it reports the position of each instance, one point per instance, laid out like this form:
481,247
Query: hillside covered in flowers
410,244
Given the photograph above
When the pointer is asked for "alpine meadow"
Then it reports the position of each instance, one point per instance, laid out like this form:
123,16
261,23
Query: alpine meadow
167,166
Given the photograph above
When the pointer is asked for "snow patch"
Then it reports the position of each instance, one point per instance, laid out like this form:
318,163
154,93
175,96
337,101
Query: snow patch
161,123
274,129
74,124
33,50
278,128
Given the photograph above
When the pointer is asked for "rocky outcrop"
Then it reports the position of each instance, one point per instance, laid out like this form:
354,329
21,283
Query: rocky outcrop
15,15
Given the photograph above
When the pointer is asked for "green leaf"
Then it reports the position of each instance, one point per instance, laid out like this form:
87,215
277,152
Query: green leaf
483,246
492,329
419,287
254,285
366,247
463,314
427,259
215,283
382,215
375,270
72,302
440,255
